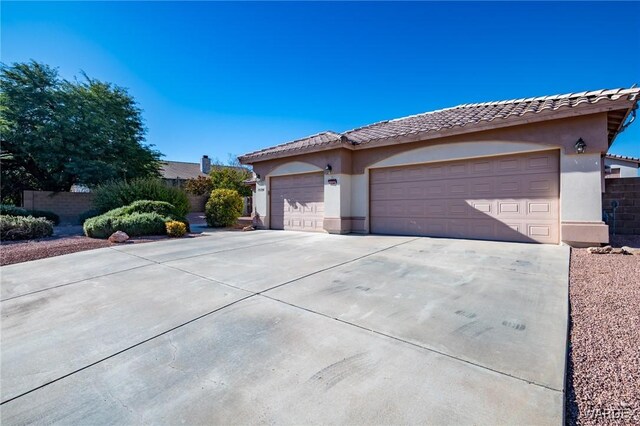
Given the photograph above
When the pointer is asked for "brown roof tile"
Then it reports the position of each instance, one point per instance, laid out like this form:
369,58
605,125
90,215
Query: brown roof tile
180,170
319,139
448,118
623,157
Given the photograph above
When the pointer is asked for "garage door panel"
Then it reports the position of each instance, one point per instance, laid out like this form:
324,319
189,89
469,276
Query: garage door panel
519,202
297,202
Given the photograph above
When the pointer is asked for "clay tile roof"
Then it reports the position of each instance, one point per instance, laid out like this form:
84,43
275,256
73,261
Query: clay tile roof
623,157
448,118
470,114
317,140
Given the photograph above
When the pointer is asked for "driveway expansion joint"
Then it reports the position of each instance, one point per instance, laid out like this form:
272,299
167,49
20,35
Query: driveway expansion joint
75,282
126,349
414,344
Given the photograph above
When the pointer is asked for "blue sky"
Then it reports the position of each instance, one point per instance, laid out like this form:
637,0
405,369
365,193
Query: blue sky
228,78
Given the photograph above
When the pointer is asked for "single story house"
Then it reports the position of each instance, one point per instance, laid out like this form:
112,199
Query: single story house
176,173
620,166
527,170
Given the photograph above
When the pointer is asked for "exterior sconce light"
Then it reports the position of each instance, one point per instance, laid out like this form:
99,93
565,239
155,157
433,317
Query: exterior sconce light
327,170
580,146
257,176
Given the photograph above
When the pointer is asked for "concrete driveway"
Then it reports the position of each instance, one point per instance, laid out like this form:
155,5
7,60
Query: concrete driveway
285,327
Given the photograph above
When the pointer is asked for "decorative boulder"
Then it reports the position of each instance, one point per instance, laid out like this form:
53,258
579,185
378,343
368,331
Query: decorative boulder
629,250
248,228
600,250
118,237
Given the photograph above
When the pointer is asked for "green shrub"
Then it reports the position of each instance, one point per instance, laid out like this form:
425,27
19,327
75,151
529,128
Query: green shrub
50,216
8,209
121,193
176,229
145,206
11,210
135,224
223,208
24,227
88,214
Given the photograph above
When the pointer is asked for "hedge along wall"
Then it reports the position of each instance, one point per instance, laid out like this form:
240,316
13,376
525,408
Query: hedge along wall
626,191
68,205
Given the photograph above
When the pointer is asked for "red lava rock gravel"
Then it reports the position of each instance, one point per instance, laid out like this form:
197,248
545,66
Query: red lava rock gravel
603,376
24,251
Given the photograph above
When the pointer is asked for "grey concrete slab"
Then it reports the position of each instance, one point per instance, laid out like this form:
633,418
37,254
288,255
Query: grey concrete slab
172,249
23,278
257,268
55,332
260,361
500,305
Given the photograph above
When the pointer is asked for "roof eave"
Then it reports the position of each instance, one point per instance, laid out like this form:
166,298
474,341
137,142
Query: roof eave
252,159
497,124
452,131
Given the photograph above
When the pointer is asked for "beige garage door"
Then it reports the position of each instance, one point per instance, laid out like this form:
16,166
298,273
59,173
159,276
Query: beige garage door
506,198
297,202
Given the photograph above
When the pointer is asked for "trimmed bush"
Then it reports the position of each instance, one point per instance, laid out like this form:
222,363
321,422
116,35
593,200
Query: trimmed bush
8,209
121,193
24,227
176,229
50,216
87,215
145,206
223,208
135,224
11,210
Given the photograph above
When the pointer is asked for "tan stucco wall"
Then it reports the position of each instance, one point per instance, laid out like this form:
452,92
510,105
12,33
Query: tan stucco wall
347,203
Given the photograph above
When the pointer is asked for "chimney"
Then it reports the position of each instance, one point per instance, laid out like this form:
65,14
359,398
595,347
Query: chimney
205,164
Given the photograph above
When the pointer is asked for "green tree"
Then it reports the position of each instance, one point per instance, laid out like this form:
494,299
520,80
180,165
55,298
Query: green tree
230,177
199,186
56,133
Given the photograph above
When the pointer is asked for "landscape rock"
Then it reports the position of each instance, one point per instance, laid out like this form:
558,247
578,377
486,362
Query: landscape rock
600,250
118,237
629,250
248,228
616,251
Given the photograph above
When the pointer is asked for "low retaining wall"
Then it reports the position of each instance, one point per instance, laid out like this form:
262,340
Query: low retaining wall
626,191
68,205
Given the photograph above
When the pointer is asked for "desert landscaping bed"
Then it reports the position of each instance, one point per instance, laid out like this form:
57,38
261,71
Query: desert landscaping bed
603,376
24,251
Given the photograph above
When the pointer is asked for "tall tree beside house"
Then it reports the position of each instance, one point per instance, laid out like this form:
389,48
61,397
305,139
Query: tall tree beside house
56,133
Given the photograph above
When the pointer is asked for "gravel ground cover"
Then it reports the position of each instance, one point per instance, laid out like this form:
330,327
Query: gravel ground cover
23,251
603,375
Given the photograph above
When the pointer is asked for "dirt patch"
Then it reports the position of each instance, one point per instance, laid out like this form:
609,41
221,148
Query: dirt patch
603,376
23,251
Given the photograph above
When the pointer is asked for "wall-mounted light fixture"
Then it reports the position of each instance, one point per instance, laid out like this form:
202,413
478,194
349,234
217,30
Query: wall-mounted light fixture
257,176
327,170
580,146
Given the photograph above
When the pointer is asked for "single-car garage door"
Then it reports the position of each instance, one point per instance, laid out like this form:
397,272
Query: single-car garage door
297,202
507,198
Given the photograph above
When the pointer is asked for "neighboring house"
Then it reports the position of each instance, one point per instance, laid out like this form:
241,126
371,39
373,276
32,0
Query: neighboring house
620,166
518,170
176,173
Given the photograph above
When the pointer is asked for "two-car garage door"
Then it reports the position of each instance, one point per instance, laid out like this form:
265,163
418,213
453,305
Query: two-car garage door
509,198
